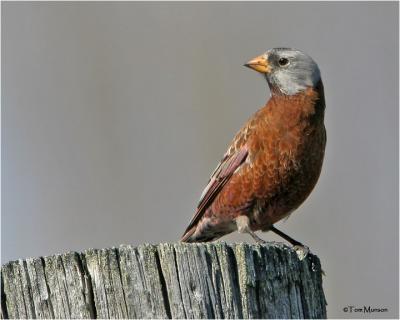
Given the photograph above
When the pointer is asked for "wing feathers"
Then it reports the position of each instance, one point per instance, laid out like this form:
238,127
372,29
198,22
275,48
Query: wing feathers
221,175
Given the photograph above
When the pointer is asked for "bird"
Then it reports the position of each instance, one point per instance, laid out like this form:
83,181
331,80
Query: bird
274,161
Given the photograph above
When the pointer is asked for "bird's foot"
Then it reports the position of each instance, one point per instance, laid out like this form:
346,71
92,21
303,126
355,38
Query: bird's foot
256,238
243,226
260,241
301,251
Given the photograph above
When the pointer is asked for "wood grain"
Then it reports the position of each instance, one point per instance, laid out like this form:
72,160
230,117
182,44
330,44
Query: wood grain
214,280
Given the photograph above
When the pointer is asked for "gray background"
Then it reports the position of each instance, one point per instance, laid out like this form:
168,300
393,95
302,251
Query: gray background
115,114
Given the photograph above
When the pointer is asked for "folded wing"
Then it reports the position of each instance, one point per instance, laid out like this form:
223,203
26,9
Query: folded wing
221,175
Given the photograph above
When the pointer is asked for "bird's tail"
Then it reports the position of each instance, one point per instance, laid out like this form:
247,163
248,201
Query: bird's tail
188,236
191,236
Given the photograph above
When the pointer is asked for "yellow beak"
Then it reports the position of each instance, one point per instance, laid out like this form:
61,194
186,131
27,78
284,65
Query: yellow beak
259,64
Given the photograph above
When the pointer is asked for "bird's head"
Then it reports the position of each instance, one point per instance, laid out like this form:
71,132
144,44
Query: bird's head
288,71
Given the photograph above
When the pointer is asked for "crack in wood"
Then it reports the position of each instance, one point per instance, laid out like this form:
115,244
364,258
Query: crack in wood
4,313
163,286
87,280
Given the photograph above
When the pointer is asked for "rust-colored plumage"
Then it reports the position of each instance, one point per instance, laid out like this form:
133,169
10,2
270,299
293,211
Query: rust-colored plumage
271,166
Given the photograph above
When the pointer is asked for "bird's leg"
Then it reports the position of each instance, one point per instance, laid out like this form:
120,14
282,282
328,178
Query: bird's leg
256,237
285,236
300,248
243,226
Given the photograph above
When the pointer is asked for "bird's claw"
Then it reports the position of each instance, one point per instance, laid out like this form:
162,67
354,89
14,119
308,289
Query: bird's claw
301,251
260,241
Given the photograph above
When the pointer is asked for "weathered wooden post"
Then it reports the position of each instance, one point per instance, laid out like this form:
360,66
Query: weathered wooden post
215,280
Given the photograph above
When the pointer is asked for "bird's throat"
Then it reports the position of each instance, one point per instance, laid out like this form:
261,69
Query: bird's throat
307,104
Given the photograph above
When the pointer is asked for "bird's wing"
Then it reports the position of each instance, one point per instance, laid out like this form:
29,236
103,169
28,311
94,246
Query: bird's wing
221,175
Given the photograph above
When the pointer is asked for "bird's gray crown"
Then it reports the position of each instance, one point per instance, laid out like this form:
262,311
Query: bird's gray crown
292,71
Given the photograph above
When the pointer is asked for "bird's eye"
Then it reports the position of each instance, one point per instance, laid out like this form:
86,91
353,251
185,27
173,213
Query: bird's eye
283,61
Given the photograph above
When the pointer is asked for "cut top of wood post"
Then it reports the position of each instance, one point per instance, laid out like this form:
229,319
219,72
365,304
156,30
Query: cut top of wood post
214,280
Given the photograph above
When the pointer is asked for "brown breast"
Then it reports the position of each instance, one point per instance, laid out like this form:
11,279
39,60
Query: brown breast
286,143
